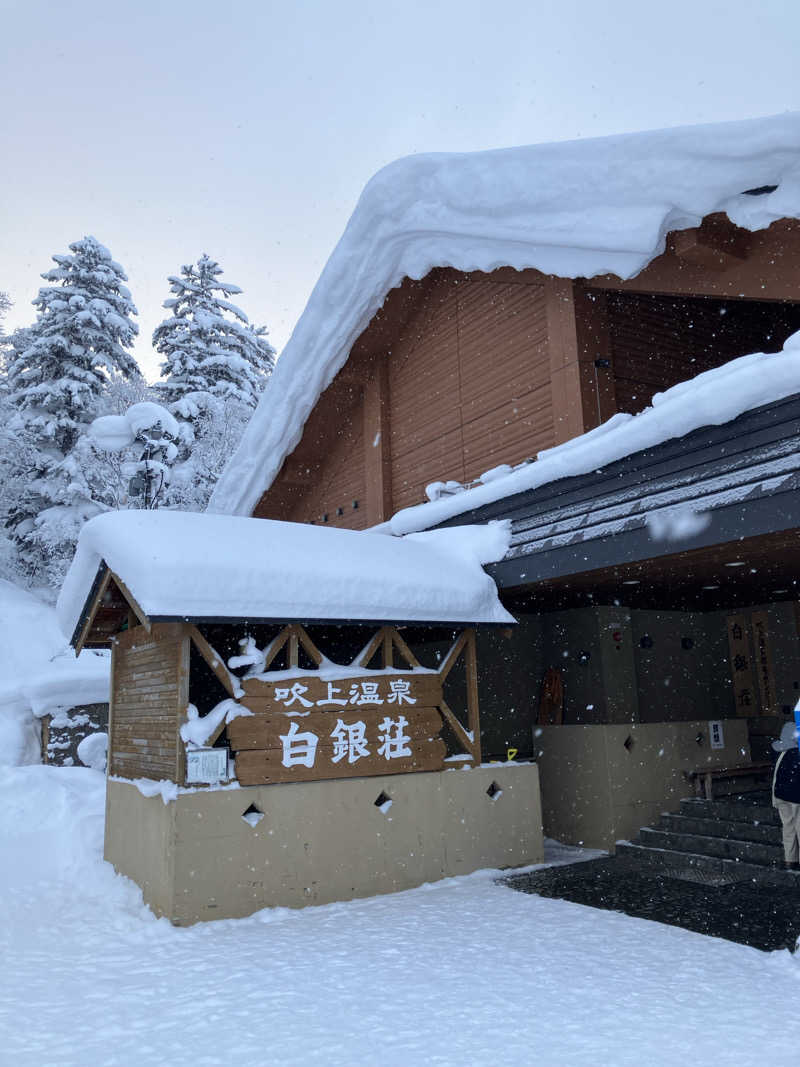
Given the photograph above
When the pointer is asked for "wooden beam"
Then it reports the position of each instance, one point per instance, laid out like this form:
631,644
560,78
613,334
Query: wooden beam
404,650
388,648
369,650
275,646
377,445
132,601
294,648
461,734
184,659
571,375
452,655
598,389
716,244
473,712
212,737
112,718
215,661
96,599
309,646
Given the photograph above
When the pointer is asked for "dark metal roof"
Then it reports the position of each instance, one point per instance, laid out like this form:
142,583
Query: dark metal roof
742,476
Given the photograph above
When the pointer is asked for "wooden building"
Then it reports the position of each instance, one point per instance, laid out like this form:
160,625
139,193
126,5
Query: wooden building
484,365
462,372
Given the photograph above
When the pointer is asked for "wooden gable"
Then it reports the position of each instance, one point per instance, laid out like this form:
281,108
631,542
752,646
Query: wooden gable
461,372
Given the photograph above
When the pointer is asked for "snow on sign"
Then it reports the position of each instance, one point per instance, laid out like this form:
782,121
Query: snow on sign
308,728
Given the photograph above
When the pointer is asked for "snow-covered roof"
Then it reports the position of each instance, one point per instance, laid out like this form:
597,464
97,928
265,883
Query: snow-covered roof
574,209
38,670
182,565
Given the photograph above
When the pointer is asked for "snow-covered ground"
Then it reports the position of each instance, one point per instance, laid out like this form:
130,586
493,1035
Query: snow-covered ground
462,972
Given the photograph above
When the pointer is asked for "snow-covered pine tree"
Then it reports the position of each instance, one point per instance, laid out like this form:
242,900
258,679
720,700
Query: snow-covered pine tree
5,304
57,371
215,367
211,353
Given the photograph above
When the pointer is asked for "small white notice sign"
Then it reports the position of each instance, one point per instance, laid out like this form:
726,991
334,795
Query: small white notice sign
206,764
716,734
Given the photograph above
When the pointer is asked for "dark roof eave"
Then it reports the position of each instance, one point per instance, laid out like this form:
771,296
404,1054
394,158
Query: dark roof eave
88,603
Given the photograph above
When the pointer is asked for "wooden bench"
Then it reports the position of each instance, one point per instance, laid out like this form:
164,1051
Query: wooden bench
755,775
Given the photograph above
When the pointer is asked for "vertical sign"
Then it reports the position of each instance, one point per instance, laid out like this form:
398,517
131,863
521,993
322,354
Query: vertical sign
716,734
741,668
763,662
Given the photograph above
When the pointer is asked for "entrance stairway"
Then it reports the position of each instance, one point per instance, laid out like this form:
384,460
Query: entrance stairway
714,867
716,842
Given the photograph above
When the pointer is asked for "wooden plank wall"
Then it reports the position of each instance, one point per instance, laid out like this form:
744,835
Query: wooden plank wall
150,681
658,341
339,482
466,386
472,389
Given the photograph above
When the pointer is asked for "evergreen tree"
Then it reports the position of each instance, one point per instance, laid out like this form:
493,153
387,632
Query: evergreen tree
5,304
58,370
212,355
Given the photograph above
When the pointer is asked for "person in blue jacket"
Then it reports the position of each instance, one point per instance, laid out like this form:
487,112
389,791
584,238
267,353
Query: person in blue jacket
786,793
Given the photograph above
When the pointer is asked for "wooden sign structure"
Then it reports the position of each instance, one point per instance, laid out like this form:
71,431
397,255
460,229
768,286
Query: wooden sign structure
744,693
356,722
763,662
751,698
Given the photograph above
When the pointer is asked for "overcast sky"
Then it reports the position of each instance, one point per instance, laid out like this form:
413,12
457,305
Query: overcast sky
247,129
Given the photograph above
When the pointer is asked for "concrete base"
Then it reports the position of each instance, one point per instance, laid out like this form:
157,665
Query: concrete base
197,858
595,791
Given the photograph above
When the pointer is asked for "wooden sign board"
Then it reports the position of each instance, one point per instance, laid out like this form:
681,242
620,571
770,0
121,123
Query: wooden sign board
306,728
763,662
401,689
744,693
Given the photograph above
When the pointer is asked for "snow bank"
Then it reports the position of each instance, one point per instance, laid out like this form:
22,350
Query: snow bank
39,673
575,209
183,565
711,399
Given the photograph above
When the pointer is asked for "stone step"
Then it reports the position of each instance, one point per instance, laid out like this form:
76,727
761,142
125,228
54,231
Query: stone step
767,834
735,811
721,847
701,867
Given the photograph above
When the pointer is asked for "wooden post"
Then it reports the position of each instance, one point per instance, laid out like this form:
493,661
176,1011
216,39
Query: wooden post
377,445
473,714
598,389
111,690
294,648
184,654
471,737
573,382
